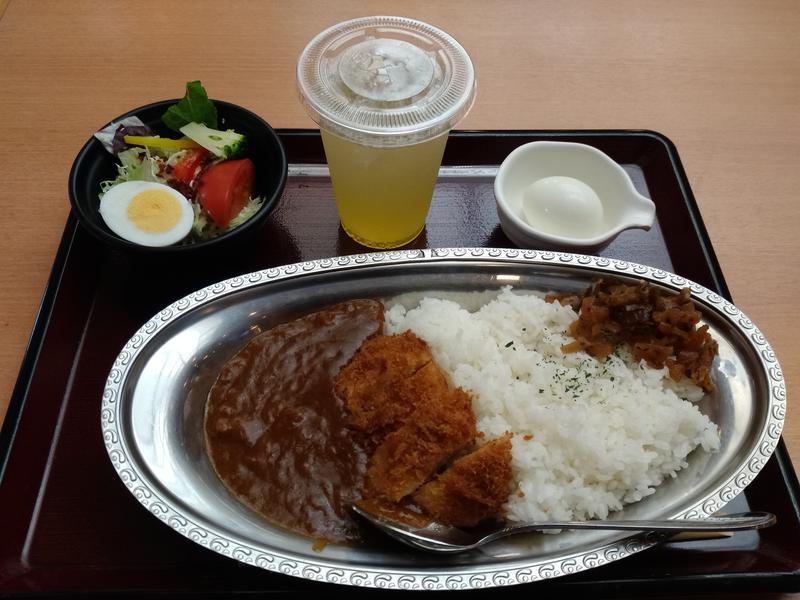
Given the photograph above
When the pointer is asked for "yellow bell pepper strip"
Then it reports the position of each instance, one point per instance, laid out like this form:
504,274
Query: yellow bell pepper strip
158,142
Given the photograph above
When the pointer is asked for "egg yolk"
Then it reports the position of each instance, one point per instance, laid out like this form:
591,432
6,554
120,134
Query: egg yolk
154,211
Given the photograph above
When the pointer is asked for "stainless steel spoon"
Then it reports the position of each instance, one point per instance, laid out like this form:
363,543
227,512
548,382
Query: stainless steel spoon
436,537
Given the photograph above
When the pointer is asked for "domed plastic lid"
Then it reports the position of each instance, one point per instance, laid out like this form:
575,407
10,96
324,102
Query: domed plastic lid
386,80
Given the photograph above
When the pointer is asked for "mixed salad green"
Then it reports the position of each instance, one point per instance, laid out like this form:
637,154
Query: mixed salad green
207,165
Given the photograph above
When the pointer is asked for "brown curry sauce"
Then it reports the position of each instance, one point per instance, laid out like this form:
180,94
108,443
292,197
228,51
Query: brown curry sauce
276,432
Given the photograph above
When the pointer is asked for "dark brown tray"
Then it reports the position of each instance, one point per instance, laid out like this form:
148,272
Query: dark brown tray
70,526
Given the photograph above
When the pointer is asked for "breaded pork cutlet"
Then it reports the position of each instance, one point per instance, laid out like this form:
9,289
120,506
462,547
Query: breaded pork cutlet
411,454
473,488
386,380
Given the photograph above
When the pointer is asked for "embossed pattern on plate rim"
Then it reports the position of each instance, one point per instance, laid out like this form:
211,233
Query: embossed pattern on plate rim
484,576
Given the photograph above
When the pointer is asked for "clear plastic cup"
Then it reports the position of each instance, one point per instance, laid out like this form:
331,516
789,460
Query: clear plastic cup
385,92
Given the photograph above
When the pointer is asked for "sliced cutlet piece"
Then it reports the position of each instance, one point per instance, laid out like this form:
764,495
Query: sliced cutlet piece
374,384
475,487
411,454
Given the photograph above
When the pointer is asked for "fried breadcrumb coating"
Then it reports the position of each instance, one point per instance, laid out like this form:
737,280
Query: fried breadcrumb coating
474,488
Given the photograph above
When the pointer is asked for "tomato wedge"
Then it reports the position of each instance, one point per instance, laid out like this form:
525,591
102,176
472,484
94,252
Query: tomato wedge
224,188
186,168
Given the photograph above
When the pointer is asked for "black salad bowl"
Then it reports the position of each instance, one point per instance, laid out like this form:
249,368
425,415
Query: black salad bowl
95,164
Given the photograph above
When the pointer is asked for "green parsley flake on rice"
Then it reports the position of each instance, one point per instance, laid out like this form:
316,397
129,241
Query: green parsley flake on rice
589,435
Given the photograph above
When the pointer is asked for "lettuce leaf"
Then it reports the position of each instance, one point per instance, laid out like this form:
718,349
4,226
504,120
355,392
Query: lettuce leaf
118,143
195,107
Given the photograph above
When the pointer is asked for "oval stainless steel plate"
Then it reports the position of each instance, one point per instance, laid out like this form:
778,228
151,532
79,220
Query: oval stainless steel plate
153,406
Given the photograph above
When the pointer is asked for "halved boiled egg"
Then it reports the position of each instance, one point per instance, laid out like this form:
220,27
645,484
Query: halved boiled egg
147,213
563,206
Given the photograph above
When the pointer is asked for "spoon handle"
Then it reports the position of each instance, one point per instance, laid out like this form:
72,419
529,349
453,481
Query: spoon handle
735,522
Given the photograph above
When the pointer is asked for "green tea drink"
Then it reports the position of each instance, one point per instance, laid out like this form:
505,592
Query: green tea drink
385,91
383,194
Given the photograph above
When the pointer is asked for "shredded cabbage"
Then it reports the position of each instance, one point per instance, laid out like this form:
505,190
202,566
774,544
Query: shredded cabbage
175,157
204,227
136,164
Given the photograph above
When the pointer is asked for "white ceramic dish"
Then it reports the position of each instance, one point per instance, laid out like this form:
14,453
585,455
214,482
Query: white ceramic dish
622,206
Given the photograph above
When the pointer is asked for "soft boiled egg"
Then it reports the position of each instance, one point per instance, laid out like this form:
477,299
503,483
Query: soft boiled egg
147,213
563,206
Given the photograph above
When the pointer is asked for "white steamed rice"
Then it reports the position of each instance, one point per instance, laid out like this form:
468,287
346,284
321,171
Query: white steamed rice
603,433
